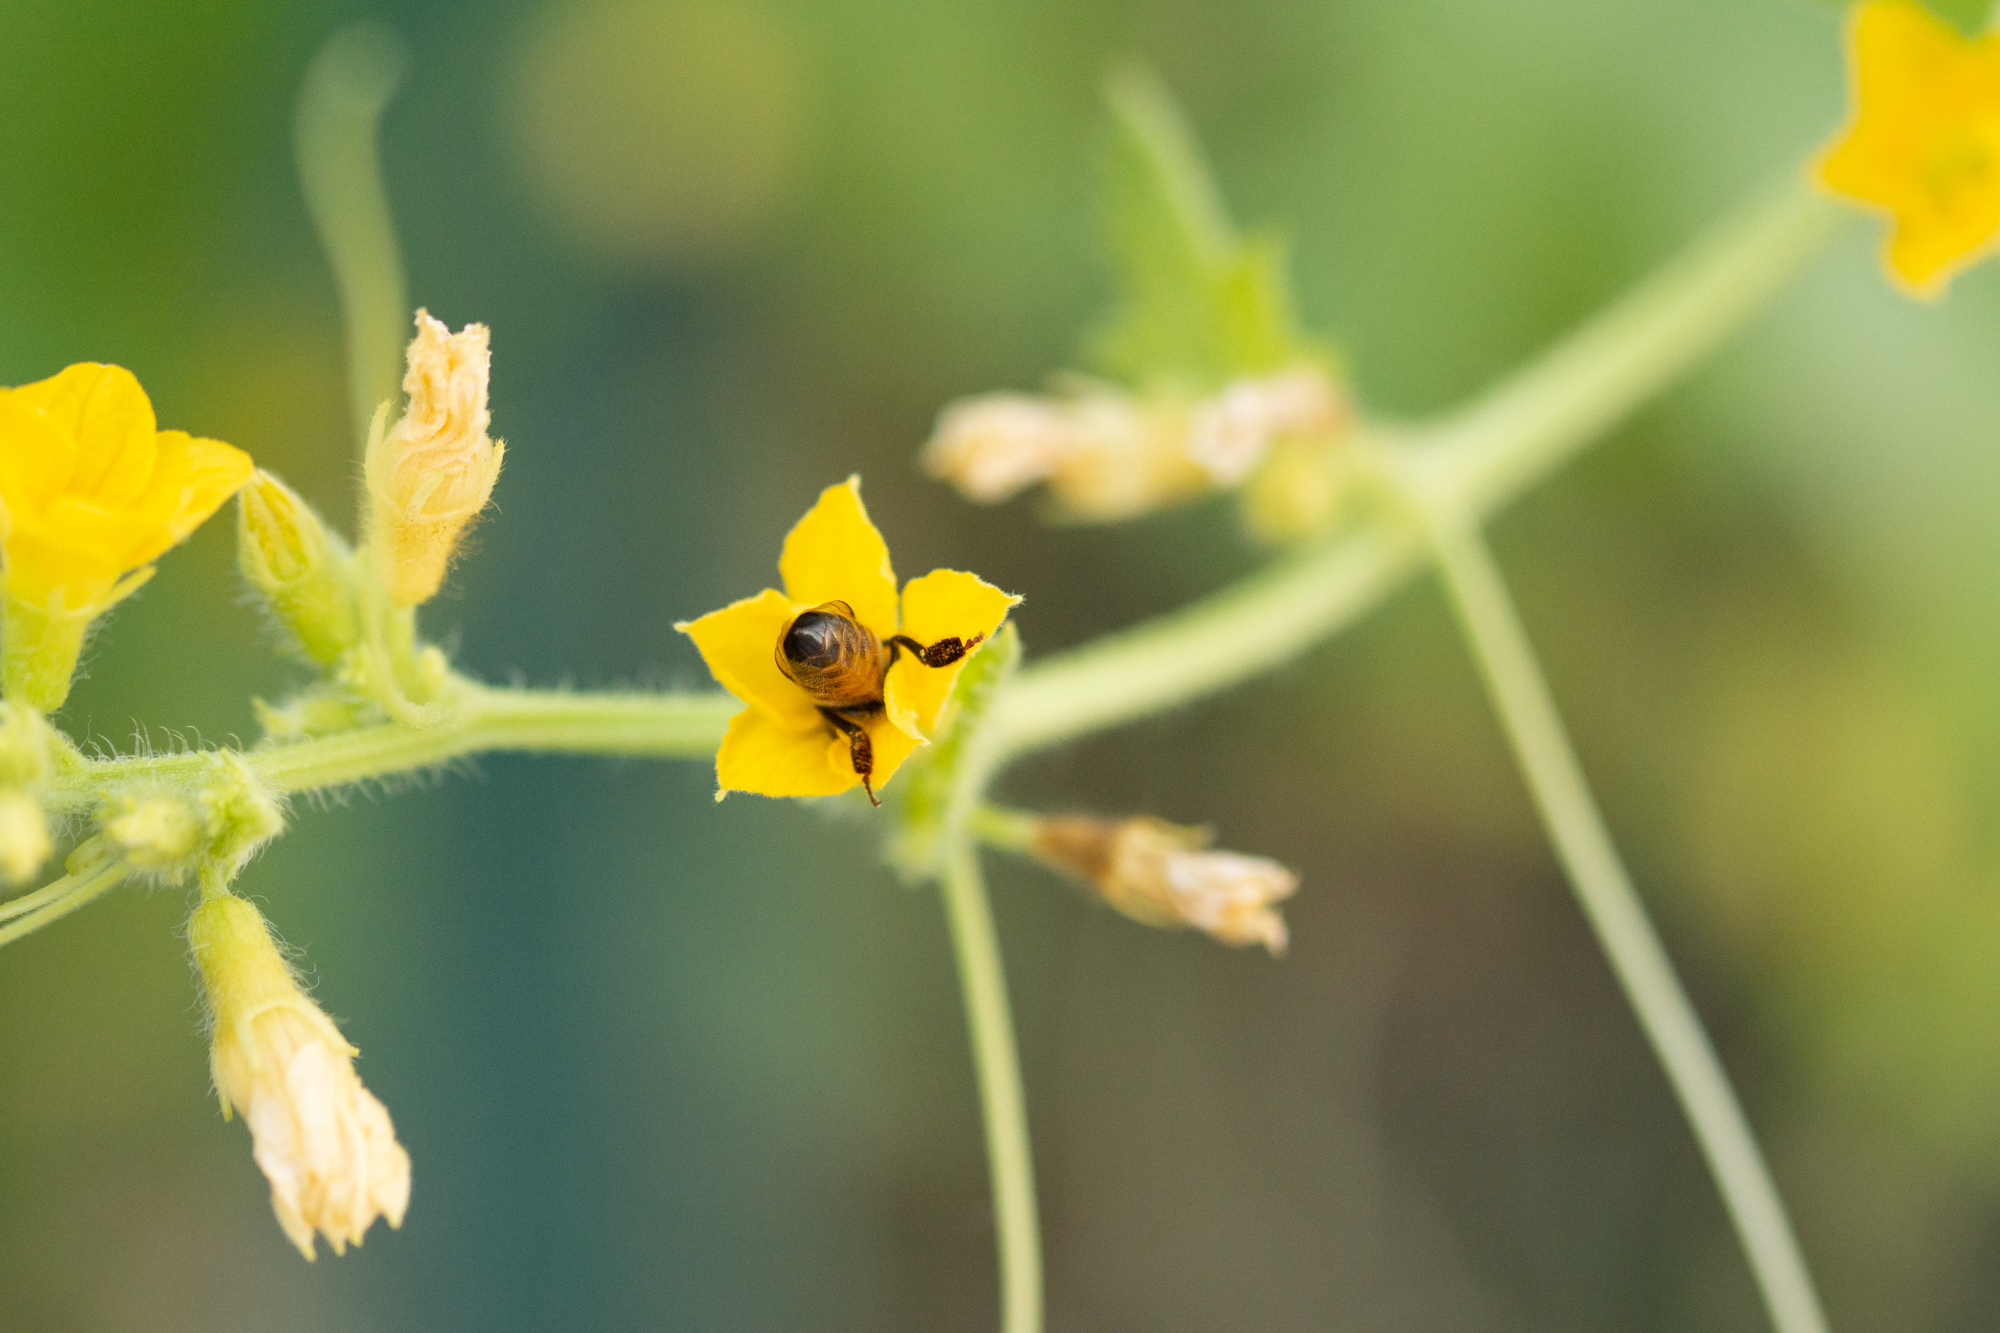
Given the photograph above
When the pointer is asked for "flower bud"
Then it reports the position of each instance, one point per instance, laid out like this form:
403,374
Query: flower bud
26,739
1161,874
24,836
302,567
314,712
321,1138
432,472
158,832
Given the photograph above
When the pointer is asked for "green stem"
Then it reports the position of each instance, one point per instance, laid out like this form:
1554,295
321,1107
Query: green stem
61,900
1574,824
1003,1107
482,719
1484,456
1008,830
346,88
1523,429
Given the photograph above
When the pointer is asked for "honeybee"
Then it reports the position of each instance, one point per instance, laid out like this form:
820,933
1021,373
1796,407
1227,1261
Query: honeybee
841,666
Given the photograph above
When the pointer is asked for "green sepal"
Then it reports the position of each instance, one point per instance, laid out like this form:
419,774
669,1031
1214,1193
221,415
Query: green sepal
917,801
1970,17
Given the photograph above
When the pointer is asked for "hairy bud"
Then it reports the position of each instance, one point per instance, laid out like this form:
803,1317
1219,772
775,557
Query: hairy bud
302,567
321,1138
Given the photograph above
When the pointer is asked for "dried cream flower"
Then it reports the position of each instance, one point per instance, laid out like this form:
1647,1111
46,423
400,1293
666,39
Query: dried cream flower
1162,874
1105,455
1229,434
320,1137
434,470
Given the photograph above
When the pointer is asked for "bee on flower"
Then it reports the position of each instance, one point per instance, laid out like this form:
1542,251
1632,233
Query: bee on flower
842,678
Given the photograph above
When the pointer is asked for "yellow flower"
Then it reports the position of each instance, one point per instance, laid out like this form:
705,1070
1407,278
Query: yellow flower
1923,144
91,493
782,744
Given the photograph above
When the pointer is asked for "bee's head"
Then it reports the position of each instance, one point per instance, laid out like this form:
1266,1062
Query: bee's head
819,638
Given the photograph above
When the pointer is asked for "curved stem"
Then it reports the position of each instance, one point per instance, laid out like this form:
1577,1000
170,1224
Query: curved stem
1003,1108
1484,455
346,88
1576,827
62,901
483,719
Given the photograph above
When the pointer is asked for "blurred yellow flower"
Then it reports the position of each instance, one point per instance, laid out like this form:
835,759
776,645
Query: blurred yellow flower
91,492
784,743
1923,143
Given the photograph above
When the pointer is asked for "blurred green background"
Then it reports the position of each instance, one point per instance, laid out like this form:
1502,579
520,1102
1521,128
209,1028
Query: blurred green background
663,1064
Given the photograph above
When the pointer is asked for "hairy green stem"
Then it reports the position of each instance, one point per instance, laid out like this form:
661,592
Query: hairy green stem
481,719
62,897
1003,1106
1508,438
1562,796
346,88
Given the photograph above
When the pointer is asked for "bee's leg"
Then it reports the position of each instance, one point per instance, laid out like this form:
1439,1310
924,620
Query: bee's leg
860,750
940,654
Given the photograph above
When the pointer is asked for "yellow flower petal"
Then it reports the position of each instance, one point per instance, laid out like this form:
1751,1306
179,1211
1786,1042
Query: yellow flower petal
1923,142
943,603
92,489
740,644
115,433
834,554
770,758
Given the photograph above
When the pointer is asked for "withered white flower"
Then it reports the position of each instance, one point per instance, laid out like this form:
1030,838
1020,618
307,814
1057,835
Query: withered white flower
1163,874
1105,455
321,1138
1229,434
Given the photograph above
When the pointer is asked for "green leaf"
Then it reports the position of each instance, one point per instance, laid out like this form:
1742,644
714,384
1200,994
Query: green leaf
1198,304
1968,16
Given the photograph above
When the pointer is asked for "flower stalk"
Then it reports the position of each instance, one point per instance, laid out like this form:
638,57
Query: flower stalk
1604,889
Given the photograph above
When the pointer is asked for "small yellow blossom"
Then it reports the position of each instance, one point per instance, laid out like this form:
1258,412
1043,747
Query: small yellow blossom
781,744
432,473
1163,874
1923,142
91,493
319,1136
